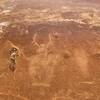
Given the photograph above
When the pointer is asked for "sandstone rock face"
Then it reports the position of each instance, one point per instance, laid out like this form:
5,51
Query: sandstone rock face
59,52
